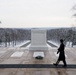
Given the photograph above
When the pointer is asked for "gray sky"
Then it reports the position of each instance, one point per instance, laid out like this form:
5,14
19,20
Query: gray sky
36,13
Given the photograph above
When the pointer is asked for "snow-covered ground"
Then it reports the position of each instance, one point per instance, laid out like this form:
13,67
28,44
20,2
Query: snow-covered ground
18,44
21,44
74,46
56,44
68,44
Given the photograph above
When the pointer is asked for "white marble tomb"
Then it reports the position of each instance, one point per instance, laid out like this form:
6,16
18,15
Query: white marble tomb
38,40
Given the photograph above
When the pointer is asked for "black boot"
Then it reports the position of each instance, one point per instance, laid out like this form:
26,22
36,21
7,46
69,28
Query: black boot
55,64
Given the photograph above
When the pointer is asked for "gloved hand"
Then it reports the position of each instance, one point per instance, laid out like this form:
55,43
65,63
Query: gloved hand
57,52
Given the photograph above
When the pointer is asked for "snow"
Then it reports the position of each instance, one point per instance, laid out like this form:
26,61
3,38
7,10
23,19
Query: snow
74,46
68,44
27,47
18,44
56,44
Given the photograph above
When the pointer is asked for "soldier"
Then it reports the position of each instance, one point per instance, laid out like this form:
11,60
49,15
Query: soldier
61,54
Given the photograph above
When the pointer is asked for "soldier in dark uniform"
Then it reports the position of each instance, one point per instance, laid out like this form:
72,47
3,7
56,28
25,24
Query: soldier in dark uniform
61,54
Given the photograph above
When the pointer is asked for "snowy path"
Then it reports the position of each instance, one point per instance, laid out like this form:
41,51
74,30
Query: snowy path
53,44
23,44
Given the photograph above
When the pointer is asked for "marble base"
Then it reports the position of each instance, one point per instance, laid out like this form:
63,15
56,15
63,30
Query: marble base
38,47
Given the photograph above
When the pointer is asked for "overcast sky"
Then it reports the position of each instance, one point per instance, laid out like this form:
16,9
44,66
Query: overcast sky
36,13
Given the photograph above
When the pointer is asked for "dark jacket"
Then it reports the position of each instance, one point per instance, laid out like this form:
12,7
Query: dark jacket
61,52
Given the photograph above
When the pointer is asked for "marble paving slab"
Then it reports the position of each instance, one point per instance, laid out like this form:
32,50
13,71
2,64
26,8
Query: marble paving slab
11,61
17,54
1,52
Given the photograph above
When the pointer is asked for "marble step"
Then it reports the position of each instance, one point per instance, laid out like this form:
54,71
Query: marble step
36,66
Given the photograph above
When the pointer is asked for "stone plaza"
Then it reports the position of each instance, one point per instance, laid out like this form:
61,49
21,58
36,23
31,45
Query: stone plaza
25,56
